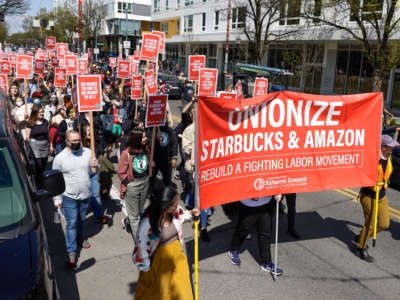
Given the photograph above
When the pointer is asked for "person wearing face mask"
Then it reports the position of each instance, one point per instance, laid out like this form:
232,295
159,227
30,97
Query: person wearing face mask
133,172
20,114
75,163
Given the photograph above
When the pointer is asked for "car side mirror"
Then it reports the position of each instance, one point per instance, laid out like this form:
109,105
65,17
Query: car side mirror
53,184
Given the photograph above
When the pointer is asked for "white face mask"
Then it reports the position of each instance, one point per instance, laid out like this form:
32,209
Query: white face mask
19,103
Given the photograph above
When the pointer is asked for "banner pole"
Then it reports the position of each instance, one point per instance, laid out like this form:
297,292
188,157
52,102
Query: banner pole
197,204
92,137
26,95
376,208
153,140
276,239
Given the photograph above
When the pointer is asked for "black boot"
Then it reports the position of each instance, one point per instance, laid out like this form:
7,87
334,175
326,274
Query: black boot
363,254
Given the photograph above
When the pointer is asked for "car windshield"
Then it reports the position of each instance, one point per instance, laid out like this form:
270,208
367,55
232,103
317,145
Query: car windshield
12,203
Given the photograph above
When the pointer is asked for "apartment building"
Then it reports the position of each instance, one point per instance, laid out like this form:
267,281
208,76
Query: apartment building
337,65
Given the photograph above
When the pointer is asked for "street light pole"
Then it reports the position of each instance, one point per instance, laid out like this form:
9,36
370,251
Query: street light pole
97,24
227,36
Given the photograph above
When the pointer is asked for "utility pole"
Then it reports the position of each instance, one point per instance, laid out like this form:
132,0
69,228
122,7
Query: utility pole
227,36
97,24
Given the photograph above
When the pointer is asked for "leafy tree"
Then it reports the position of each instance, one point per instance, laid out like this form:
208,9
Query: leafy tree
373,23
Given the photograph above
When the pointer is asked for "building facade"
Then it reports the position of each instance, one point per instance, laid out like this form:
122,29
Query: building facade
323,60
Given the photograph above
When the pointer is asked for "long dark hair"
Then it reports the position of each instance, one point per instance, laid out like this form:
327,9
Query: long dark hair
84,136
135,140
34,114
161,198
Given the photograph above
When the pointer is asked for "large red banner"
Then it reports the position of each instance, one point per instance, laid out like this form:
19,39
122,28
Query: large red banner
60,77
150,45
208,82
136,87
286,142
89,92
156,110
150,81
4,83
196,62
51,43
123,69
260,87
24,66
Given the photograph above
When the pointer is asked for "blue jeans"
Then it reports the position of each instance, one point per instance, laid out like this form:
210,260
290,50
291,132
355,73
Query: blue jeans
189,202
95,200
75,214
58,148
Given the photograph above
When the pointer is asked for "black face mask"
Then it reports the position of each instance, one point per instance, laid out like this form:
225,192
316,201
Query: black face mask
75,146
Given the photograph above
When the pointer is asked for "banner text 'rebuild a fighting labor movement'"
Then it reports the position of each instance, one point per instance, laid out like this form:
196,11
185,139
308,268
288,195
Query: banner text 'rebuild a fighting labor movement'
286,142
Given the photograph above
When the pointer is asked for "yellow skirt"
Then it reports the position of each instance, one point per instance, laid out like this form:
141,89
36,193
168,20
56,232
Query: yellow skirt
168,277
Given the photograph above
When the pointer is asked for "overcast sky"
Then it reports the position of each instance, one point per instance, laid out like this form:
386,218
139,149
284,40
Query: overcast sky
14,22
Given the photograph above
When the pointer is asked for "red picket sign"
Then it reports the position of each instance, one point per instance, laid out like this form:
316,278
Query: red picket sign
54,62
4,83
119,59
24,66
156,110
51,42
196,62
286,142
239,90
39,66
62,50
133,68
71,63
89,93
136,87
123,69
260,87
150,45
136,55
161,47
82,66
150,81
227,96
61,61
60,78
5,67
13,60
131,59
112,62
40,54
208,82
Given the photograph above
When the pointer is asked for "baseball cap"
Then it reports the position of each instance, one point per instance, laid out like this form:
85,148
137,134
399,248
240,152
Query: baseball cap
386,140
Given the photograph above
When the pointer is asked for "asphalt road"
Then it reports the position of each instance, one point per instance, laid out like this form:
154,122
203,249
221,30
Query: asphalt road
320,265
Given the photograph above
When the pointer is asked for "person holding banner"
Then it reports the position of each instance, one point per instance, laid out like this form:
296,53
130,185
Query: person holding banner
259,212
368,196
158,253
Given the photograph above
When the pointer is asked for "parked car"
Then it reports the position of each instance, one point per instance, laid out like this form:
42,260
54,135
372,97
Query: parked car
173,84
25,264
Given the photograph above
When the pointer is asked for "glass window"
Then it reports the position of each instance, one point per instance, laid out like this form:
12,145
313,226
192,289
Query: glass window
166,4
164,28
188,2
317,9
188,24
239,17
156,6
178,27
12,203
178,2
129,8
212,50
216,20
203,23
289,12
119,7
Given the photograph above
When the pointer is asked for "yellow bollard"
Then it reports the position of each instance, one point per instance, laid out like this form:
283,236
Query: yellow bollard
196,260
376,212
